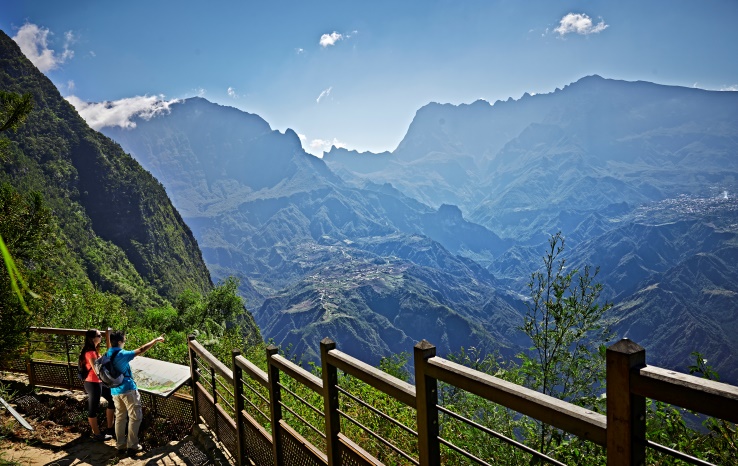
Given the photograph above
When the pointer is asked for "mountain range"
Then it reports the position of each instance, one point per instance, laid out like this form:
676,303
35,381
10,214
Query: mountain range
438,238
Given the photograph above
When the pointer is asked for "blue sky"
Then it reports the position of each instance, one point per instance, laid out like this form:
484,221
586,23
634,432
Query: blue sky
353,73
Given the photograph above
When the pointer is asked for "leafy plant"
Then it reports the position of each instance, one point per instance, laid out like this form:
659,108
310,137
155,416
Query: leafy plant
565,324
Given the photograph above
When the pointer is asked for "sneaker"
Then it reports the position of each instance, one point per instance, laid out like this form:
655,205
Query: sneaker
133,450
101,437
110,431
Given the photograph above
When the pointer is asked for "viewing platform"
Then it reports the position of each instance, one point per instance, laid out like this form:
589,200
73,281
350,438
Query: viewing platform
286,415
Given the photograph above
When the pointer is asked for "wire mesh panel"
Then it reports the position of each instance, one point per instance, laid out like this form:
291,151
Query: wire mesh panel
297,450
54,374
226,431
205,406
14,365
174,407
257,442
353,455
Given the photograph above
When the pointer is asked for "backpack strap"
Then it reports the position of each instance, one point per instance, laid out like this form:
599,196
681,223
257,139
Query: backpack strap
112,359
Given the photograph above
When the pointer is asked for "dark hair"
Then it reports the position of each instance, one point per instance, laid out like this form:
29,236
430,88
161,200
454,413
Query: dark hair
116,337
89,344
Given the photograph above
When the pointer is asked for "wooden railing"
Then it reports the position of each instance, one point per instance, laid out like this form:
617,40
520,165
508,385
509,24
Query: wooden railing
50,360
255,430
246,407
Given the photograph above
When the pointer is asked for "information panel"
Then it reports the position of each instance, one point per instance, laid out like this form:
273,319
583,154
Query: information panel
158,377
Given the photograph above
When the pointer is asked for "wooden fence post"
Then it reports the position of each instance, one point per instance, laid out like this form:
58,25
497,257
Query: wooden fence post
275,398
330,397
29,361
70,380
626,413
193,376
426,390
238,404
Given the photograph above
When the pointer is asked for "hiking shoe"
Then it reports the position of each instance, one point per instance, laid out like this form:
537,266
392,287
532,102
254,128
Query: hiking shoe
101,437
134,450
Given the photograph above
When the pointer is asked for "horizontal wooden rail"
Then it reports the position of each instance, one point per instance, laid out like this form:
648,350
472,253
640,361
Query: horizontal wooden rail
252,370
59,331
704,396
573,419
298,373
396,388
212,361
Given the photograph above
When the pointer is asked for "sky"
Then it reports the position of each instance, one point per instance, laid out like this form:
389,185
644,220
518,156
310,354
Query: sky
353,73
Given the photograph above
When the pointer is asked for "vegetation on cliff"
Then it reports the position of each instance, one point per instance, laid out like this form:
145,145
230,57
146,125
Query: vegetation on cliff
91,234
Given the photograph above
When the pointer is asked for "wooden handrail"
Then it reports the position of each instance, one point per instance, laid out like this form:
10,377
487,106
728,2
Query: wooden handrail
298,373
252,370
708,397
396,388
211,360
560,414
59,331
629,382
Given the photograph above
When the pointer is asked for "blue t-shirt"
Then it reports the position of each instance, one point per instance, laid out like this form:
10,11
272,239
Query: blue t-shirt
121,365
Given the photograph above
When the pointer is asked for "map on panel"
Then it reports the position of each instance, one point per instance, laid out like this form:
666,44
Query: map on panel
158,377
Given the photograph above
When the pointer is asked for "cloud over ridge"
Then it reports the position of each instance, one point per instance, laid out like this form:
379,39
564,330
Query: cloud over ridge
120,112
33,41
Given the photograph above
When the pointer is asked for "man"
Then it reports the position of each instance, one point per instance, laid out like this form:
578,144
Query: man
126,398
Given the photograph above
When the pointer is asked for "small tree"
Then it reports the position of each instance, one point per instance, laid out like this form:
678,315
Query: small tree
568,335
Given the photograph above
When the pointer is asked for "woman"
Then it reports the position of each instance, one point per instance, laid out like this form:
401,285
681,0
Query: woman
94,387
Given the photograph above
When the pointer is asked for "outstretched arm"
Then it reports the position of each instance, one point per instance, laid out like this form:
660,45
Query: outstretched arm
149,345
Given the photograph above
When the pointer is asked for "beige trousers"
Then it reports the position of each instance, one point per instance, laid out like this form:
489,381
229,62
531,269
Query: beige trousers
127,410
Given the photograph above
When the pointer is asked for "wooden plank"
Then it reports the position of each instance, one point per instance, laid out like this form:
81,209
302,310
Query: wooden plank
330,403
396,388
16,415
58,331
708,397
429,448
298,373
253,371
571,418
357,453
212,361
275,396
626,412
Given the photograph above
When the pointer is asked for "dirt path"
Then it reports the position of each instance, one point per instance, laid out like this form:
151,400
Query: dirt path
61,434
81,452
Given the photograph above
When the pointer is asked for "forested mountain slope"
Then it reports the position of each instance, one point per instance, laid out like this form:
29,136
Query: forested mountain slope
120,228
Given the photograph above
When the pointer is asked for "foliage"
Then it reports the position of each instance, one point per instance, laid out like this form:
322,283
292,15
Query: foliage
25,226
120,228
14,109
565,325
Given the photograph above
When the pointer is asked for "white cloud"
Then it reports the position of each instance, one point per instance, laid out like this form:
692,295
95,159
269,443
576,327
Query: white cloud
92,54
325,93
232,93
70,85
580,24
330,39
299,50
733,88
34,43
120,112
318,146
